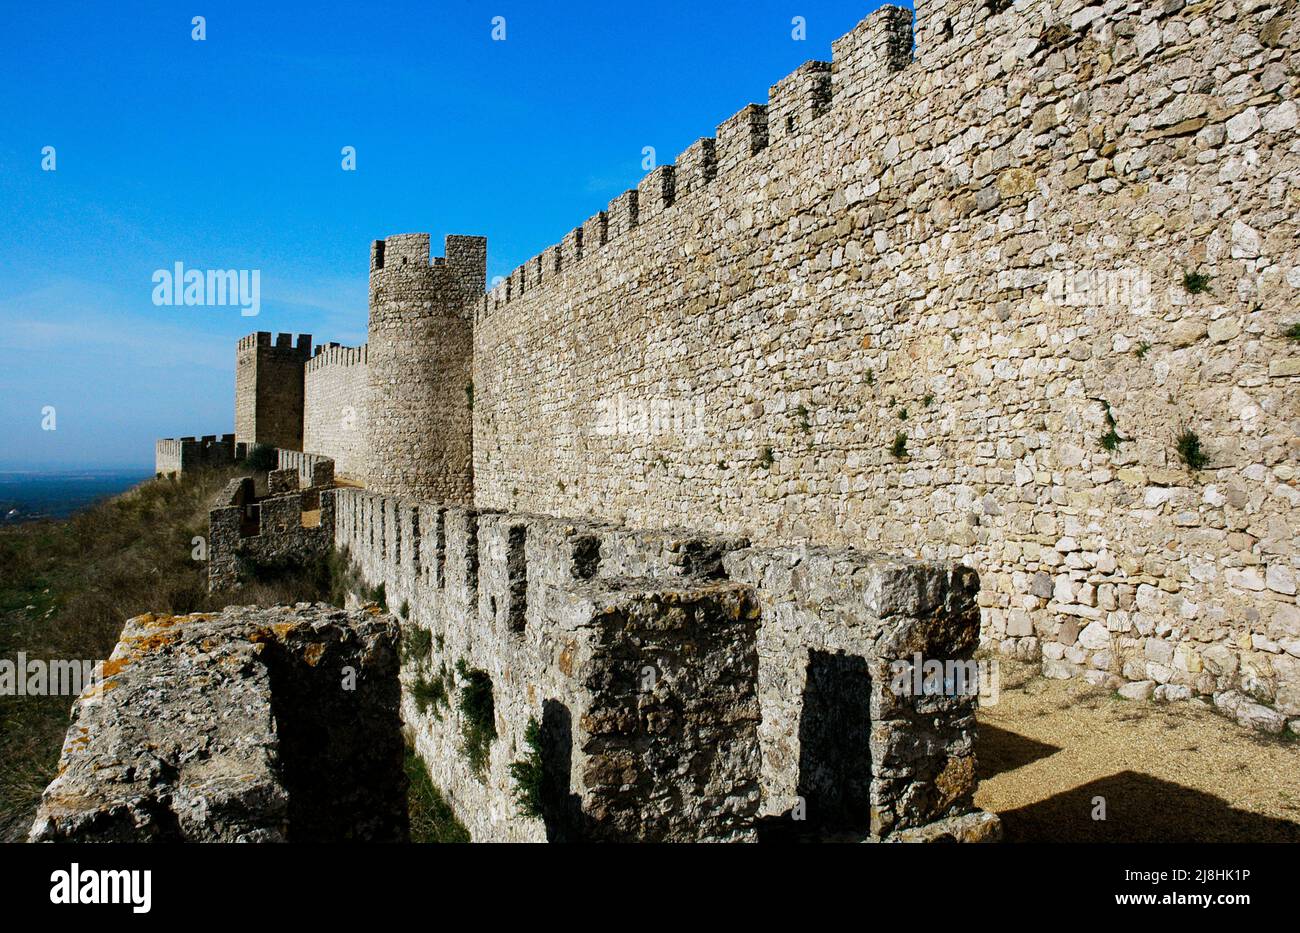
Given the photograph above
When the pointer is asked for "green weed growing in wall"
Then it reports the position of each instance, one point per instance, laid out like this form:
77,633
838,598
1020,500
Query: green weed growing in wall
1196,283
477,707
527,774
1190,451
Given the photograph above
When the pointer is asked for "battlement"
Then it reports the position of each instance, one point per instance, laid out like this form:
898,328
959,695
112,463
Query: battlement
868,58
572,609
798,99
283,344
176,455
863,61
334,354
461,272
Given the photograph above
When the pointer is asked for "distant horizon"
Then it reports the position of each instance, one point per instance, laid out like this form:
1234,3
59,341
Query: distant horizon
51,470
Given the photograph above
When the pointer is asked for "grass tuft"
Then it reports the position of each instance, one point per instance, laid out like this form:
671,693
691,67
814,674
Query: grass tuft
432,819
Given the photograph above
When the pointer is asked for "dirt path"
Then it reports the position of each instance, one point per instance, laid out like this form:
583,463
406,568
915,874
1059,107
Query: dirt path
1177,773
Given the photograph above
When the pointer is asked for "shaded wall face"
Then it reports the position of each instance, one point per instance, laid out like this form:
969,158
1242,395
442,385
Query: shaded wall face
269,397
249,725
949,318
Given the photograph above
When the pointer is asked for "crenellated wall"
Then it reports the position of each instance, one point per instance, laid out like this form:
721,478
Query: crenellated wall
278,533
176,455
335,408
686,686
975,300
947,304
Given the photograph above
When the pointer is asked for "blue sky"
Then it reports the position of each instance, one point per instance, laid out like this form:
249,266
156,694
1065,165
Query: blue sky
226,154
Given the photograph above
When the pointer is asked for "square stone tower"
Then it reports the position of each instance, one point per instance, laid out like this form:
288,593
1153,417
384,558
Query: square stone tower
269,389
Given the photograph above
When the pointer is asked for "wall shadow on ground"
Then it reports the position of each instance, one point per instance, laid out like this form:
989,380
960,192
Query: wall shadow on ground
1141,808
1000,750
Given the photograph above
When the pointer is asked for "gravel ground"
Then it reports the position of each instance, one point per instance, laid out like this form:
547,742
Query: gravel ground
1167,772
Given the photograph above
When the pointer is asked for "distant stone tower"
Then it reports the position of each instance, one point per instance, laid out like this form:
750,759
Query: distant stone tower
269,389
421,366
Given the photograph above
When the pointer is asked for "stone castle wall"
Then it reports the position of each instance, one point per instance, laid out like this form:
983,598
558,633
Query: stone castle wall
940,305
249,537
176,455
269,390
686,686
335,412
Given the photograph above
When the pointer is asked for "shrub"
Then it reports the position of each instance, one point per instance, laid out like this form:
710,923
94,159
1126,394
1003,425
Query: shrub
417,643
429,693
1292,332
1188,445
766,459
477,707
527,774
1110,441
1142,349
1196,282
899,447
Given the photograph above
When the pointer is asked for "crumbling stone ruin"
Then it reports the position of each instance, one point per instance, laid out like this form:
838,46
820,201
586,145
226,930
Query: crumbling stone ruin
291,525
1011,294
252,725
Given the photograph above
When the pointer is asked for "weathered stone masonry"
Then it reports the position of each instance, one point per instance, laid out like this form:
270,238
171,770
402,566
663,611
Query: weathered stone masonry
247,535
250,725
269,390
420,366
980,250
687,686
176,455
953,302
335,410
